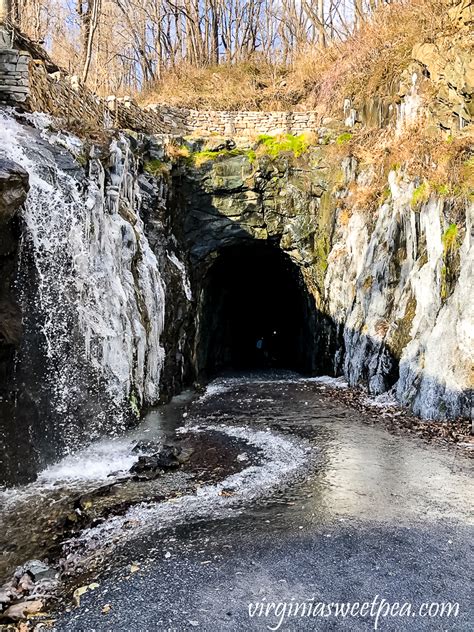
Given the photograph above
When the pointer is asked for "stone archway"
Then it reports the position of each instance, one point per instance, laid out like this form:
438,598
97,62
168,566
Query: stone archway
256,245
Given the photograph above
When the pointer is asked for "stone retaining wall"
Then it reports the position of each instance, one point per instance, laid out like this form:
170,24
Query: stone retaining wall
27,81
245,123
59,95
62,96
14,76
236,123
180,121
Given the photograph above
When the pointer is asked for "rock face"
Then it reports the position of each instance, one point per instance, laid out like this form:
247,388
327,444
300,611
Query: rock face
90,293
117,247
391,288
403,329
13,192
13,189
449,64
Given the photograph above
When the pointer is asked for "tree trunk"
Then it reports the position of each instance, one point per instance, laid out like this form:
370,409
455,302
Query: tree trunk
91,27
215,34
5,11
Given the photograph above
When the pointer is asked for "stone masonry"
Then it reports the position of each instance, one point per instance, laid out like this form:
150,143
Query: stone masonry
62,96
14,75
14,82
30,78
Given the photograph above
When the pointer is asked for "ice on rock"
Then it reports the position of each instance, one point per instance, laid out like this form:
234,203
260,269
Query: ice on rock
100,295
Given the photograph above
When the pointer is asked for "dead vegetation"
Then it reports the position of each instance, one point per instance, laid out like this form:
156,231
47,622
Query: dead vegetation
454,434
370,61
247,85
442,165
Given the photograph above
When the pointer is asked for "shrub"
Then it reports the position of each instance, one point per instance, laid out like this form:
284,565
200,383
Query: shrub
344,138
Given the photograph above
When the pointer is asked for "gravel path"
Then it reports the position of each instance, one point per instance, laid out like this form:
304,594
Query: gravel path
373,516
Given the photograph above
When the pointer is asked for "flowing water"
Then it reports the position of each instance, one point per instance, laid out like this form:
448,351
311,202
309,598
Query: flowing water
95,483
270,453
259,449
90,286
88,498
334,506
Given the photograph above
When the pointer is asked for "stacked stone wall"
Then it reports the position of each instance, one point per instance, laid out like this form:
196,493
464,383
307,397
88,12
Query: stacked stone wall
246,123
236,124
62,96
59,95
14,76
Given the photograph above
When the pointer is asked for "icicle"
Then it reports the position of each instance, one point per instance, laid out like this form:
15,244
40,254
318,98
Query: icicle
100,296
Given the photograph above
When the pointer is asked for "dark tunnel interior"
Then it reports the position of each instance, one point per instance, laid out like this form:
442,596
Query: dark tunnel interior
256,313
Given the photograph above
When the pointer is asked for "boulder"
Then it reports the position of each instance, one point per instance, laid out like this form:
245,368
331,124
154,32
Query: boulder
19,611
13,189
39,570
146,445
152,465
449,63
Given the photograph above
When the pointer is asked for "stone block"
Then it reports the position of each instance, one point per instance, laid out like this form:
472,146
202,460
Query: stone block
7,66
6,37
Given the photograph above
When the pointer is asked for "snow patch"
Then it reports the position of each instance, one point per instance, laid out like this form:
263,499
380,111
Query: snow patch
333,382
384,400
282,459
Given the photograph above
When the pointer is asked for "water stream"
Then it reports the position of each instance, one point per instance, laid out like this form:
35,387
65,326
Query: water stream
90,287
47,508
269,452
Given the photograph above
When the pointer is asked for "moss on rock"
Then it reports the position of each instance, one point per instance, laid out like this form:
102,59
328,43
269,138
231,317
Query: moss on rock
155,167
420,195
451,260
274,146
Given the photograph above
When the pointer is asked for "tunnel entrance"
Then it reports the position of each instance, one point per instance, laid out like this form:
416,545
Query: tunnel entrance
255,313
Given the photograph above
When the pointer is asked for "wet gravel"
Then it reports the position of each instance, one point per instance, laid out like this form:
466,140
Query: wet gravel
36,520
371,513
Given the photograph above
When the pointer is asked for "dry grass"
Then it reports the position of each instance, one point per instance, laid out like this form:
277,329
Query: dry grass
175,151
249,85
372,60
369,62
443,165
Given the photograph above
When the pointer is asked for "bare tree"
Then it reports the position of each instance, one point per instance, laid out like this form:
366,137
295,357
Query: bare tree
90,14
127,44
5,11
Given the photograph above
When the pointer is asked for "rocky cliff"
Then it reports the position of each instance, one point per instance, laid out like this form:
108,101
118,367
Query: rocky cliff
392,285
109,243
91,319
108,259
